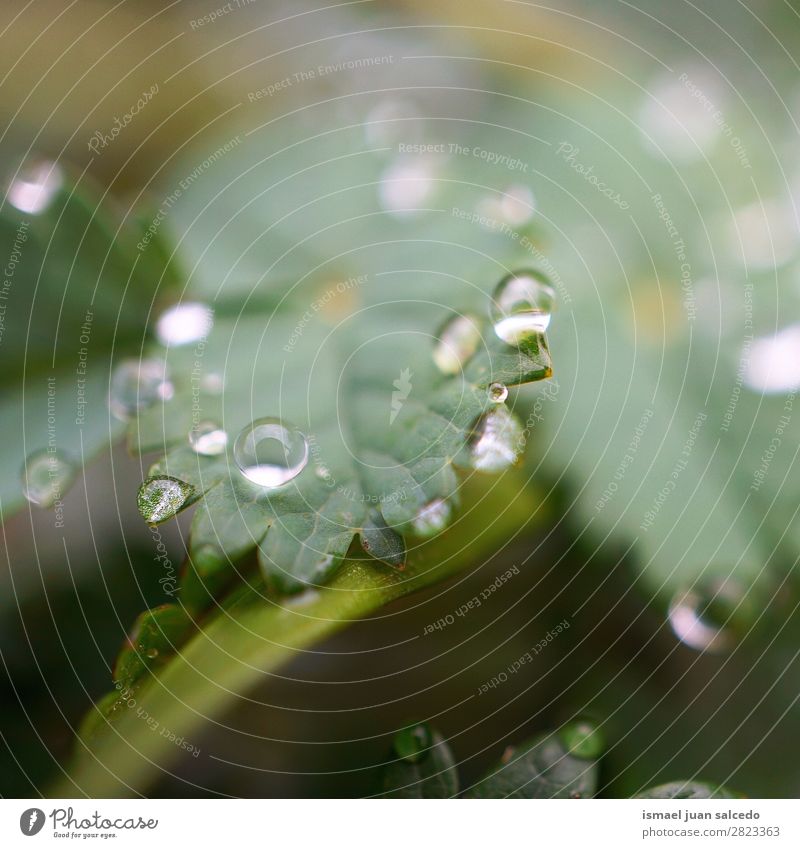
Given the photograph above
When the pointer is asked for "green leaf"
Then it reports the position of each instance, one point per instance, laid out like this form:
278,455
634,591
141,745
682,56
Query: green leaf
425,768
251,636
75,289
551,766
679,790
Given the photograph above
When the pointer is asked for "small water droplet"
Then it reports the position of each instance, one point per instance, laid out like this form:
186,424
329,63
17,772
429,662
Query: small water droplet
46,476
495,440
322,471
413,743
151,653
432,518
456,342
389,121
159,498
270,453
514,206
212,383
498,392
582,739
521,306
184,323
772,363
208,439
700,617
405,185
35,186
137,384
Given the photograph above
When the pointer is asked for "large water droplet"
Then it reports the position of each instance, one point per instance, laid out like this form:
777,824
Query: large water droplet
498,392
495,440
35,186
521,306
700,617
137,384
159,498
208,439
46,476
184,323
432,518
270,453
456,342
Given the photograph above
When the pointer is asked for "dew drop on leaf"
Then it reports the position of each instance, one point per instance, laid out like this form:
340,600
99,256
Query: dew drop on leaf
137,384
521,306
413,743
701,617
514,206
160,498
270,453
35,186
495,440
405,185
208,439
432,518
45,477
498,392
184,323
582,739
212,383
456,342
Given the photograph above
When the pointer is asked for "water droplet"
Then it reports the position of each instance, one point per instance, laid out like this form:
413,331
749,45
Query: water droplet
498,392
208,439
46,476
270,453
151,653
456,342
495,440
514,207
432,518
772,364
763,235
521,306
159,498
35,186
700,617
184,323
212,383
389,121
582,739
413,743
675,122
137,384
405,185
